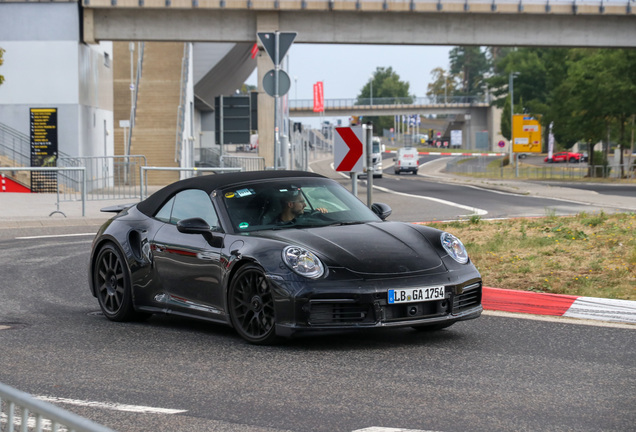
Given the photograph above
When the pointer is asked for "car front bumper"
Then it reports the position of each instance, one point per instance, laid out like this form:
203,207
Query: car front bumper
324,310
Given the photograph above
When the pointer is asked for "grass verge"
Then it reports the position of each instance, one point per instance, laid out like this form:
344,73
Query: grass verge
590,255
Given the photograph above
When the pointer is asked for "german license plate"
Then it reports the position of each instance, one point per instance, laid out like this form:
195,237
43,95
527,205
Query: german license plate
413,295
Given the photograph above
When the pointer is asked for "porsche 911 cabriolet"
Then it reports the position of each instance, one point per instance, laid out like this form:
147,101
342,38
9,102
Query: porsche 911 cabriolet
276,254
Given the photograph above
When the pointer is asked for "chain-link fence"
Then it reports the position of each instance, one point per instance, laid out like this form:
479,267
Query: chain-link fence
489,167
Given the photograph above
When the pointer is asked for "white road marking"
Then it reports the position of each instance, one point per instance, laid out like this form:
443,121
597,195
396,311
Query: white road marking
388,429
54,236
111,406
474,210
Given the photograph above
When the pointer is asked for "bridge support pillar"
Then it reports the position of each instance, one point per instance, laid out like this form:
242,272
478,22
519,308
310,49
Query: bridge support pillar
265,22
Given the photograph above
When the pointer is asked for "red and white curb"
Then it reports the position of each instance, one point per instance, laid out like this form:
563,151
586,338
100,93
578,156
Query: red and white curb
590,308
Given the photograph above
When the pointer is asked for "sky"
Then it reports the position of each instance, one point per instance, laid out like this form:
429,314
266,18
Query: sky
345,69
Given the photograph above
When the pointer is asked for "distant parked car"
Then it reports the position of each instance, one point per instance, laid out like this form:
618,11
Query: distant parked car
565,157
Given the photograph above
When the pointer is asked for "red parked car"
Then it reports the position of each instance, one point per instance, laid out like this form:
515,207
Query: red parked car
565,157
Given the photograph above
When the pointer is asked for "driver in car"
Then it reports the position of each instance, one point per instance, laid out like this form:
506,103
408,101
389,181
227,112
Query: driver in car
293,206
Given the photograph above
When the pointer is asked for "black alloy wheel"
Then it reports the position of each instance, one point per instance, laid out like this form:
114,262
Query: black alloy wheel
252,306
112,285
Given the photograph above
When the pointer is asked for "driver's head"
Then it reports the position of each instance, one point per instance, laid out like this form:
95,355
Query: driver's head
294,202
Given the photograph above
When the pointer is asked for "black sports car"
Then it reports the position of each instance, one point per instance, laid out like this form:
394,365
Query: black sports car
278,253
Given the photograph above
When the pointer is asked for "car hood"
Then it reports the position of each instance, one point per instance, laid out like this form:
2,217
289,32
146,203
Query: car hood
372,248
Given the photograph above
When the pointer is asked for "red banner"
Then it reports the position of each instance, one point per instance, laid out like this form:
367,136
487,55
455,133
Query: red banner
319,97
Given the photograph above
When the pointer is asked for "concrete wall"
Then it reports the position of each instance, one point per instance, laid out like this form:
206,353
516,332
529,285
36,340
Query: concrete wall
46,66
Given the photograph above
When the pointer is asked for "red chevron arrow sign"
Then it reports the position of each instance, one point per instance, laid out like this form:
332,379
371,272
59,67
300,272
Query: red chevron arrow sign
348,149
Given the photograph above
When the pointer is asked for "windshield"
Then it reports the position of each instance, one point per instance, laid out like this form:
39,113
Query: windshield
293,203
376,146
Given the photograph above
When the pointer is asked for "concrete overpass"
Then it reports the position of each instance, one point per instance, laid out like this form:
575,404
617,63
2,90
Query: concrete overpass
564,23
574,23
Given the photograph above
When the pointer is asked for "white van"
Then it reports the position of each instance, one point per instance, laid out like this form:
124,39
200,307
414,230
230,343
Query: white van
406,160
377,149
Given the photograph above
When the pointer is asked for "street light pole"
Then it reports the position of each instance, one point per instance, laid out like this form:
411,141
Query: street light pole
371,92
512,116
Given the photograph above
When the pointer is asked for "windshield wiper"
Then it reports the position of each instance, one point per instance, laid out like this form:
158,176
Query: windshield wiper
347,223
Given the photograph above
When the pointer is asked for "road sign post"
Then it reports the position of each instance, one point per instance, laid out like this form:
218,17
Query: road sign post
369,157
276,45
348,152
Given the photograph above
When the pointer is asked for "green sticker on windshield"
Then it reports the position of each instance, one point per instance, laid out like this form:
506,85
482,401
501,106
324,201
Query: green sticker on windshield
243,225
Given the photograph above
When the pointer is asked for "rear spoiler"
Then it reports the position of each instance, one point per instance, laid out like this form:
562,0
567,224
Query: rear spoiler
116,208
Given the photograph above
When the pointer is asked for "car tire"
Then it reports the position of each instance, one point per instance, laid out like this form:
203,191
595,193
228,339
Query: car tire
572,160
111,279
251,306
433,327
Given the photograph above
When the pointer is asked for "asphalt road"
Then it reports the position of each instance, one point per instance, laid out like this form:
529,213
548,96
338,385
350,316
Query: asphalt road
496,373
626,190
417,198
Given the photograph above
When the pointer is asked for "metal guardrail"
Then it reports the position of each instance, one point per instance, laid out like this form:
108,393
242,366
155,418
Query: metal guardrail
107,177
246,163
58,170
20,411
15,145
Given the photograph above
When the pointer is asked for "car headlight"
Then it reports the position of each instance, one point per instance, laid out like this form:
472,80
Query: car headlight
454,247
303,262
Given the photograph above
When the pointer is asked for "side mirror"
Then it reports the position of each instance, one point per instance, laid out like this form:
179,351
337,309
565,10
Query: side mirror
382,210
199,226
193,226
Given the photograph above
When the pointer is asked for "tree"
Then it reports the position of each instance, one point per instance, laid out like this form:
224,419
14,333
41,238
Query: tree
443,85
538,72
471,64
387,88
589,94
1,62
602,91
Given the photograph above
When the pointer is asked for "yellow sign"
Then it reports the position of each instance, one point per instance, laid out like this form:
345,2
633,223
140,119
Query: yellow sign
526,133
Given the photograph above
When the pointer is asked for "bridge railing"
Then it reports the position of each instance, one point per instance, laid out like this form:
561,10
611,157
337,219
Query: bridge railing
405,101
478,6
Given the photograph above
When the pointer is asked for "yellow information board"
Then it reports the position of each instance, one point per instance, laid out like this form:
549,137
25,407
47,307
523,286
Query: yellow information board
527,134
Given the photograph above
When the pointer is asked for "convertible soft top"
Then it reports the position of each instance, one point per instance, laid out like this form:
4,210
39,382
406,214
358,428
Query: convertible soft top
209,183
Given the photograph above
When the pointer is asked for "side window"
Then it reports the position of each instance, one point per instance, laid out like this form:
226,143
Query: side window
164,213
193,203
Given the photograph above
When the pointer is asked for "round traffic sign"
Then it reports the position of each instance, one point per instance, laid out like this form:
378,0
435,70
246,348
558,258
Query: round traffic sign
269,83
501,143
